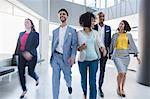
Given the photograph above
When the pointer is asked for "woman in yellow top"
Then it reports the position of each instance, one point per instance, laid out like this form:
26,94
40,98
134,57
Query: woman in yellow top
122,45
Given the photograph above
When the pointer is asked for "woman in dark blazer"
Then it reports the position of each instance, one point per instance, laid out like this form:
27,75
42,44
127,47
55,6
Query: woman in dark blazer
27,44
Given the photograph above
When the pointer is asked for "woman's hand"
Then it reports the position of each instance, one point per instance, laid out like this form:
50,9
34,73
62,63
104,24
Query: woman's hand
138,59
82,47
27,55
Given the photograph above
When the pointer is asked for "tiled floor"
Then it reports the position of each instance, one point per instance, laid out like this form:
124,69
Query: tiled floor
12,90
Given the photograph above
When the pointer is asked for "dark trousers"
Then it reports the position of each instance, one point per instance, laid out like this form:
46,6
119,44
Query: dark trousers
103,61
93,67
22,63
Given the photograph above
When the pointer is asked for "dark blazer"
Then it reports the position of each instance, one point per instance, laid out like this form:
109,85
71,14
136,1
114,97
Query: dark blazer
107,39
31,43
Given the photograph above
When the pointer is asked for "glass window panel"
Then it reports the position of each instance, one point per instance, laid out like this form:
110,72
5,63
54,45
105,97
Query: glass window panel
79,2
110,3
91,3
103,3
97,3
69,0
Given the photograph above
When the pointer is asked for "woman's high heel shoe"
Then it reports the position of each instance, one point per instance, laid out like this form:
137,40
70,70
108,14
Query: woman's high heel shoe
84,96
123,94
118,92
37,83
23,94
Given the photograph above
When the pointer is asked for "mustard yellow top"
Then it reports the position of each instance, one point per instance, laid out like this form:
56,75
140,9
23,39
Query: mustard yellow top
122,41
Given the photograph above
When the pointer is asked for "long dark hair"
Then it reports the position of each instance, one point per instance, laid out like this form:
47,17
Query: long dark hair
32,28
127,27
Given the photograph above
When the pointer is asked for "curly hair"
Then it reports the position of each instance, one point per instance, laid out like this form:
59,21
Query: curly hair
85,19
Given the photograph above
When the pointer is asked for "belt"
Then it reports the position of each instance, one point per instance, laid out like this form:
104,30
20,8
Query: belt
58,52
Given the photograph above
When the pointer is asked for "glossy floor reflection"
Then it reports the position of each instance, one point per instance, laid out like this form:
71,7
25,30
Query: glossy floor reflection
12,90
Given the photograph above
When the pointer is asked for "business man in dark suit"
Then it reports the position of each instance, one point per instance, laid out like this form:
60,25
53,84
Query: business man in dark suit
27,44
105,34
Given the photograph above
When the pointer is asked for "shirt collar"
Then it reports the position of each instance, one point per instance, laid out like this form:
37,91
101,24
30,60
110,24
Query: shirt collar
101,26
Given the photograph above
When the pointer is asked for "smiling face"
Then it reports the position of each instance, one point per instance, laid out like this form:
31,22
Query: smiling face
27,24
63,16
101,17
121,26
92,22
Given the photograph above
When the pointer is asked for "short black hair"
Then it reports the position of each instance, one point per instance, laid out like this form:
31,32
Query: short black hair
64,11
127,27
100,13
86,18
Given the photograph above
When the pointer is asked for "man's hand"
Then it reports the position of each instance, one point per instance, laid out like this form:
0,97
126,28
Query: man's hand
71,60
104,52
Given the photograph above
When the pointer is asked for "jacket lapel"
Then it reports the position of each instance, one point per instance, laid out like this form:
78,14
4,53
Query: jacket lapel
66,34
57,35
105,29
105,34
21,34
